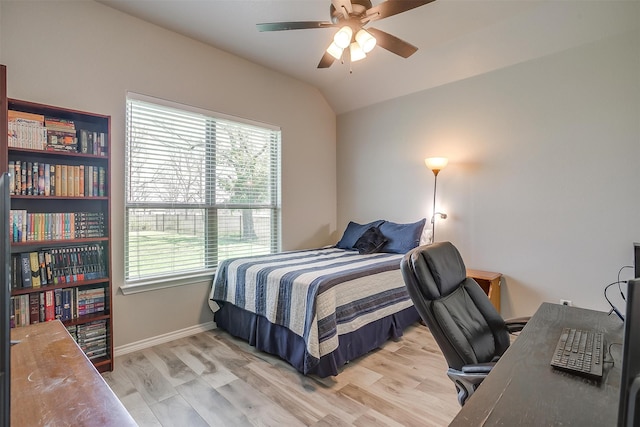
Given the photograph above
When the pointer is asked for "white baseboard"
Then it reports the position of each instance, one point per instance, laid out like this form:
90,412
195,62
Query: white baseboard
161,339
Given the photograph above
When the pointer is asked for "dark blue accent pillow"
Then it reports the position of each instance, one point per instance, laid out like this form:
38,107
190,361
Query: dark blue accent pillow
401,238
370,242
353,232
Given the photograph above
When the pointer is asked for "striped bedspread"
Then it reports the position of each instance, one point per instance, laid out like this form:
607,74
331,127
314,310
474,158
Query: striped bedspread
318,294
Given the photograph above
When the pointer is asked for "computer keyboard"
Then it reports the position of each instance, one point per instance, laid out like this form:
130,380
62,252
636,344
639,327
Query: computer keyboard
579,352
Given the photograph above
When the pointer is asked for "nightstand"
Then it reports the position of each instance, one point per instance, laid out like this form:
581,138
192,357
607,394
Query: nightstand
489,281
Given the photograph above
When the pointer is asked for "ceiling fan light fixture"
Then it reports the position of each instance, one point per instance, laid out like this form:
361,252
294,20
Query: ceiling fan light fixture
343,37
366,41
335,50
356,52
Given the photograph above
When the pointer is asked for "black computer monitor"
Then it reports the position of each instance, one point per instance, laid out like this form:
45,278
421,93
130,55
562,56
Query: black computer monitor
630,381
636,259
5,297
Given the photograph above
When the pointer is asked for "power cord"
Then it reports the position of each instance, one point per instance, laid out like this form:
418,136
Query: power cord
619,288
612,361
613,307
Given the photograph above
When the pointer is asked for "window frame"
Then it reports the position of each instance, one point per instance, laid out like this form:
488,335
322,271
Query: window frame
132,286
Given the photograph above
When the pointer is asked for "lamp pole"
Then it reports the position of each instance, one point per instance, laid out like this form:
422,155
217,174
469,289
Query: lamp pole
433,216
436,164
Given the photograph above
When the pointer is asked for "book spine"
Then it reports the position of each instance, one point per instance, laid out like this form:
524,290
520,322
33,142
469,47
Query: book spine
47,179
43,269
52,179
63,180
35,269
25,262
49,306
34,308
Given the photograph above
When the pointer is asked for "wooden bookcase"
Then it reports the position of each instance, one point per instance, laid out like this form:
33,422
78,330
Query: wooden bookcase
76,227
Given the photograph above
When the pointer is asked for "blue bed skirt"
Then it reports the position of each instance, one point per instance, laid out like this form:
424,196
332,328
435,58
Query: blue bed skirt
278,340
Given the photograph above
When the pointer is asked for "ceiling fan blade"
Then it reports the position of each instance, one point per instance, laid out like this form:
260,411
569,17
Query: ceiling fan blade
301,25
392,7
392,43
326,61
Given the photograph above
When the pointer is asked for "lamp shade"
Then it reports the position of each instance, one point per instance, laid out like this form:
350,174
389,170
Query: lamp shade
436,164
356,52
335,50
366,41
343,37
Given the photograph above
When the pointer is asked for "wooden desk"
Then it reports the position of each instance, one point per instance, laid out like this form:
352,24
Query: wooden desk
524,390
53,383
490,284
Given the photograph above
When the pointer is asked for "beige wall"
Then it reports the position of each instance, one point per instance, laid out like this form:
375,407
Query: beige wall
86,56
544,169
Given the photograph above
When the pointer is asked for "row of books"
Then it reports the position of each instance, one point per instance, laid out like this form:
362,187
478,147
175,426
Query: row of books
63,304
55,266
91,337
37,132
36,226
44,179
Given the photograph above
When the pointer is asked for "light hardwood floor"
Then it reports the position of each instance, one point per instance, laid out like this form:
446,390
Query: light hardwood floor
214,379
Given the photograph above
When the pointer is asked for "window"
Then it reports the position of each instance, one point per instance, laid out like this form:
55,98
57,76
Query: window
200,187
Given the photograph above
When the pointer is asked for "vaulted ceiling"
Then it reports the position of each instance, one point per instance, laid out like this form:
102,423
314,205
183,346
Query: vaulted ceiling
456,39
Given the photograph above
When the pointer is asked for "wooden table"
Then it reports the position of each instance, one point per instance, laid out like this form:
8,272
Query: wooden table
524,390
53,383
489,281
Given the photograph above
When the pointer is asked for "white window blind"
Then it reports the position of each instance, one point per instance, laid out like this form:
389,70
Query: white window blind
200,187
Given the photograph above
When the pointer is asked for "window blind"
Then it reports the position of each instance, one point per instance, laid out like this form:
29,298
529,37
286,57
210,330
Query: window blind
200,187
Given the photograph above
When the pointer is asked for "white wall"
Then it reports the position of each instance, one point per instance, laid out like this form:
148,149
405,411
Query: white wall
544,169
86,56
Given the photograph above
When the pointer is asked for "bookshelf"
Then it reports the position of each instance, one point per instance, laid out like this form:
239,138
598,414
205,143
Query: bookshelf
60,222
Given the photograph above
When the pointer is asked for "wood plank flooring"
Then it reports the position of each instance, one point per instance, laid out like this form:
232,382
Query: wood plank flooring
213,379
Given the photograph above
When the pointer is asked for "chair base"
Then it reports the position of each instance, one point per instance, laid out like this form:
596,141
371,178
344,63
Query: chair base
466,383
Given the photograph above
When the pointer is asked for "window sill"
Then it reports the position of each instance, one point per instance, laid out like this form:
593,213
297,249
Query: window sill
134,287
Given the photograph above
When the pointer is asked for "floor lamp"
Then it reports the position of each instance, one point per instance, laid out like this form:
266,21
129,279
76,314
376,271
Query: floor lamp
436,164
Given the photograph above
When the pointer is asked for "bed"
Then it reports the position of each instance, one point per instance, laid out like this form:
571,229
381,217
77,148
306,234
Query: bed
318,308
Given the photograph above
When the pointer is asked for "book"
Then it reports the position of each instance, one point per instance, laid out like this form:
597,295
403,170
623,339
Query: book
67,297
52,179
48,266
41,306
12,182
41,180
57,303
47,179
63,180
35,269
24,310
25,262
34,308
80,186
58,180
76,181
49,306
23,178
29,183
16,272
71,180
43,269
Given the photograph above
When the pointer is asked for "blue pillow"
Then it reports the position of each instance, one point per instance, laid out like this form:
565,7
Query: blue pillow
401,238
353,232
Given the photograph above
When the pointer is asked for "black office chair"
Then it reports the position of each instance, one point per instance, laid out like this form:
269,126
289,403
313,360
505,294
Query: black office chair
466,326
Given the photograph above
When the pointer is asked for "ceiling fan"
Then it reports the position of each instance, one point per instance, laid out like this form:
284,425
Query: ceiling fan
351,16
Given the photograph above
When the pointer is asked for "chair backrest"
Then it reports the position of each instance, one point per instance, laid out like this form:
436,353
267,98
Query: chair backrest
460,316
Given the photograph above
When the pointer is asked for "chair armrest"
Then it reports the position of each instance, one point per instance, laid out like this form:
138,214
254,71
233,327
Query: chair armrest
516,324
478,368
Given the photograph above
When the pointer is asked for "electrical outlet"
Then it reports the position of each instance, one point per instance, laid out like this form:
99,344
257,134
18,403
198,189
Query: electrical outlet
566,302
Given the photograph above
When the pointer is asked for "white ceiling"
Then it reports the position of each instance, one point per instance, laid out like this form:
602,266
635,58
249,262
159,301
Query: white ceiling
456,39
